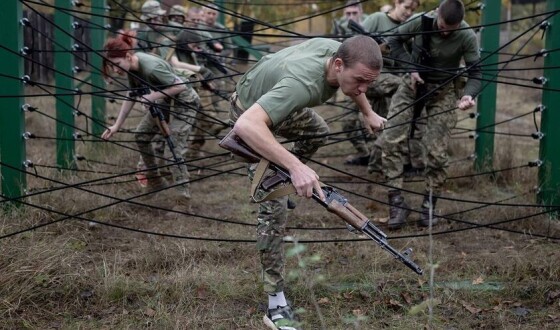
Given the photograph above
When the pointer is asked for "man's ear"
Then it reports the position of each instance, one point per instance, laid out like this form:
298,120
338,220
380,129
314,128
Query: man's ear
338,64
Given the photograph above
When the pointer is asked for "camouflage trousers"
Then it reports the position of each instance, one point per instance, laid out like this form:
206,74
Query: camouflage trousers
181,117
309,129
353,125
208,123
435,139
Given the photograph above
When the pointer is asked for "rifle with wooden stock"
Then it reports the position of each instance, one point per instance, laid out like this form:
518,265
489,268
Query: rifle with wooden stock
160,120
334,202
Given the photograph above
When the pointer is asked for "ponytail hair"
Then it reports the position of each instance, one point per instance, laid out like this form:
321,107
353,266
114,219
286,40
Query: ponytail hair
118,47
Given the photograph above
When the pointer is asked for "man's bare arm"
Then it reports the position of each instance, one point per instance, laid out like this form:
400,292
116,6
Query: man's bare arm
253,126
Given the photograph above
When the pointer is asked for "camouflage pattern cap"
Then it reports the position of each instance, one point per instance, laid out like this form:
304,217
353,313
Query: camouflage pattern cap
176,10
151,9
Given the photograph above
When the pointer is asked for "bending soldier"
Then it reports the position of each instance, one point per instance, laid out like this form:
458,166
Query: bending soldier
435,59
275,98
178,101
381,91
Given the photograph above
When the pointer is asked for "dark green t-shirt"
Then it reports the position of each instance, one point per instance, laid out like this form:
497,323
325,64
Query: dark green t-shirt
445,52
289,80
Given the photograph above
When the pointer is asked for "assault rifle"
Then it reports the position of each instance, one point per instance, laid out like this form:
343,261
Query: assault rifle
334,202
160,120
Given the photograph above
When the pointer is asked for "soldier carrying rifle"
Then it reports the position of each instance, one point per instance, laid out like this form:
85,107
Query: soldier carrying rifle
275,98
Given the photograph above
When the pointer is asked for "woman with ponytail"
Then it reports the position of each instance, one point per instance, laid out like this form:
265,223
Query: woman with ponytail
171,94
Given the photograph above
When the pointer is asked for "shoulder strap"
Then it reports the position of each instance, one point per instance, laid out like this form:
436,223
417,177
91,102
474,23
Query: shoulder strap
257,180
427,27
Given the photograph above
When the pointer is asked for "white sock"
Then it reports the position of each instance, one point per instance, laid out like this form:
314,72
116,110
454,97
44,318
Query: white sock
276,299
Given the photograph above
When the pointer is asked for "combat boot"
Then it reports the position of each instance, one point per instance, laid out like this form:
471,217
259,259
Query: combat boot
425,212
398,211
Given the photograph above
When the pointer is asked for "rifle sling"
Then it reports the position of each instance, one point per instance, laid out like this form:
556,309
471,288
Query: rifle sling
425,54
285,190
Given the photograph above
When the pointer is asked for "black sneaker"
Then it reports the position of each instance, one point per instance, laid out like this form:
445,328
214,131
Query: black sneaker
281,318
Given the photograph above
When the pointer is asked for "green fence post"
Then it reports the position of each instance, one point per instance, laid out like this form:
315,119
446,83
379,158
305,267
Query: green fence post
64,62
97,41
549,171
490,41
12,118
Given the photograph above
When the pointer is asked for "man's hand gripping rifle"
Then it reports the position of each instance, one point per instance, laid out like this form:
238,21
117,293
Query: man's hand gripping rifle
160,120
334,202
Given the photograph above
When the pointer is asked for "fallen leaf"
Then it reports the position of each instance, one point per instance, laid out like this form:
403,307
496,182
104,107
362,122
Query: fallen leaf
406,296
382,220
470,308
251,310
202,292
149,312
395,303
463,254
478,280
358,312
324,301
421,282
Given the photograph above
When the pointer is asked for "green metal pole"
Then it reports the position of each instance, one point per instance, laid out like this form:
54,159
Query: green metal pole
12,118
490,41
549,171
64,62
97,41
221,16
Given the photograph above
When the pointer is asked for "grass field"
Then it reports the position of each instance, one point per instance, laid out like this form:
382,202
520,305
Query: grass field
486,266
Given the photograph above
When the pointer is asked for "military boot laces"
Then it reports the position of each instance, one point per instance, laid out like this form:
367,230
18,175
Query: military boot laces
281,318
398,210
425,212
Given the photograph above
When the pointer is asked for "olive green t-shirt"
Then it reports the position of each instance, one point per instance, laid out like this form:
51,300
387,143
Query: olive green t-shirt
381,23
289,80
384,25
168,46
446,52
340,26
157,74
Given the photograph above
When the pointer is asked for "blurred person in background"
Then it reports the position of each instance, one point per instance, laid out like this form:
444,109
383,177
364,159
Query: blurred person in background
440,40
